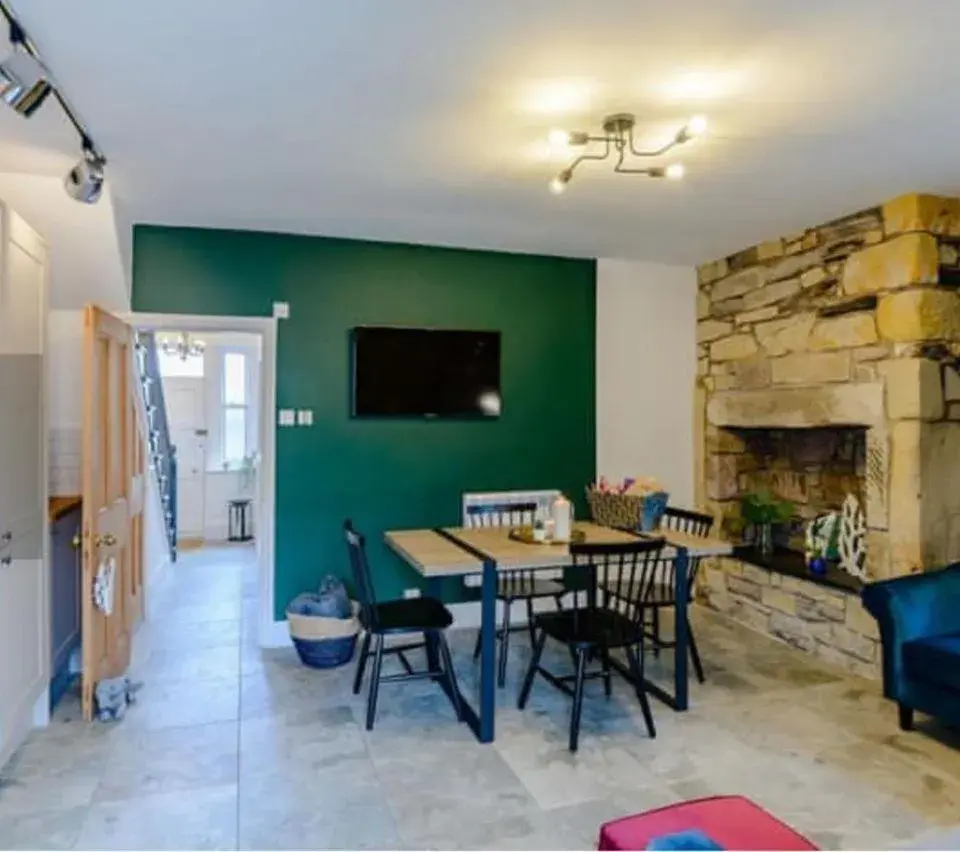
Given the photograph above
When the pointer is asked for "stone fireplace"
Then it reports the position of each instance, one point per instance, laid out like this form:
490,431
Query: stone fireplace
827,366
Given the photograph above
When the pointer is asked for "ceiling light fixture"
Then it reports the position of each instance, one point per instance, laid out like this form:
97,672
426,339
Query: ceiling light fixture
618,141
184,346
25,84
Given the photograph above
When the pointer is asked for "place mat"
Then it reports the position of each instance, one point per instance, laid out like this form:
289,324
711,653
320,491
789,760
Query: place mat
525,534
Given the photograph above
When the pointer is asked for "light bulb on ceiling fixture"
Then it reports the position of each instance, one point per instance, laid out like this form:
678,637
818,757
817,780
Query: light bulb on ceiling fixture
559,183
697,125
693,128
675,171
558,137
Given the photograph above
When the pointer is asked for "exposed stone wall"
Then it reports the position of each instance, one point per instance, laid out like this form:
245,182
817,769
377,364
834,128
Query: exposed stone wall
852,323
831,624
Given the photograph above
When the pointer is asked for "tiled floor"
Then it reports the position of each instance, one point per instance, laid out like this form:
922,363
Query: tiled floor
233,747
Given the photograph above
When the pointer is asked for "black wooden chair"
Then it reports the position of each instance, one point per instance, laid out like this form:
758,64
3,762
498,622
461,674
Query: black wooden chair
512,585
396,618
663,590
603,624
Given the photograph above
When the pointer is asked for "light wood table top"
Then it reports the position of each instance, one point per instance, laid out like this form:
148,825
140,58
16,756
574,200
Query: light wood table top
435,556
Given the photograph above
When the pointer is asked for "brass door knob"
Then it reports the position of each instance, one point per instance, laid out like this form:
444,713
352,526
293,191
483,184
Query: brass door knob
75,541
106,540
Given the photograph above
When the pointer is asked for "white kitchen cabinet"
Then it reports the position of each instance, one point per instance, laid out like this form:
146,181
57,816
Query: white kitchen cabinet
24,607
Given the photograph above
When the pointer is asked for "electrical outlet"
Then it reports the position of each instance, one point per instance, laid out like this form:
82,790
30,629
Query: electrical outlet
287,417
305,417
411,593
281,310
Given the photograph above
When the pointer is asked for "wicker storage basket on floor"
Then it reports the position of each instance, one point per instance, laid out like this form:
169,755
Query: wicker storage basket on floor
323,643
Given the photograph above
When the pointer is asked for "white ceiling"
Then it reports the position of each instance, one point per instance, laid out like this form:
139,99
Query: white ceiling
424,120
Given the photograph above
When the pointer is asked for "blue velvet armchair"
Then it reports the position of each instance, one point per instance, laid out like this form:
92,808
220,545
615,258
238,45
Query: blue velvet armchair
919,620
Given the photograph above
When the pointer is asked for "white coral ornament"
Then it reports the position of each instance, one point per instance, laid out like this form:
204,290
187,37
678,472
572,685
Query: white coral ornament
852,541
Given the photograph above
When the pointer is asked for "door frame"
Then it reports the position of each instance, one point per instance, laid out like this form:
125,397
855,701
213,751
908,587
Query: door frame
270,634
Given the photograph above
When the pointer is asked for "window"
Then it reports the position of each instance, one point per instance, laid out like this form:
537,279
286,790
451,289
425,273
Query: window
172,366
234,408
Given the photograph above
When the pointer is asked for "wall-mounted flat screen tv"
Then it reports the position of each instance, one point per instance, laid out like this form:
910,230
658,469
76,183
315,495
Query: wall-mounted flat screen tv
425,372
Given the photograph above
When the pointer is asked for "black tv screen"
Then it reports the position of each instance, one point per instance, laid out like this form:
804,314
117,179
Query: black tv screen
422,372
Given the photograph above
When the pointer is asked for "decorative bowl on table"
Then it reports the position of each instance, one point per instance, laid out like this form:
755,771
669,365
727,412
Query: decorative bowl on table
526,535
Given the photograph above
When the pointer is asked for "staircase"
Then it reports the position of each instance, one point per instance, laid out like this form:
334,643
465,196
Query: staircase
163,454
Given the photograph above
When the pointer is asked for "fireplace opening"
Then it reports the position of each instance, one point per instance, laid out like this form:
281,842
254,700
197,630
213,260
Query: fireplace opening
813,469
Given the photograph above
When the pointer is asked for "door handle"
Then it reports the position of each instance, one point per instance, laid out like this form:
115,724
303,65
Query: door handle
106,540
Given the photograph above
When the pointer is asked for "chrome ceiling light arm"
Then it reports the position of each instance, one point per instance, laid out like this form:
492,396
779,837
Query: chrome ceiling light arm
85,180
558,184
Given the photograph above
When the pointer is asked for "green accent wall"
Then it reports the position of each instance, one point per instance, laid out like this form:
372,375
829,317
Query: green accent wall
392,473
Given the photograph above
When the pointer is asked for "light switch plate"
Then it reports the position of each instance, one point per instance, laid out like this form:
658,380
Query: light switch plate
281,310
305,417
288,417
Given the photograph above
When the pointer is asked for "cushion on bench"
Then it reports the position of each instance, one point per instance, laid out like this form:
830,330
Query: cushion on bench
733,822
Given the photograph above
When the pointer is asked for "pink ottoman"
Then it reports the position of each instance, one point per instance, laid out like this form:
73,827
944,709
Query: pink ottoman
734,822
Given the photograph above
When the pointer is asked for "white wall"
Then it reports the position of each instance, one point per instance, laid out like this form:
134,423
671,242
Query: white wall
646,369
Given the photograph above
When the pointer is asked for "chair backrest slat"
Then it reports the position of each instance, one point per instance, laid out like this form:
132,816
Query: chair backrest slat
631,566
357,550
692,523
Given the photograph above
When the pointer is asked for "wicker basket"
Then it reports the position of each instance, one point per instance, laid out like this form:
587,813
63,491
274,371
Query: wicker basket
626,511
323,643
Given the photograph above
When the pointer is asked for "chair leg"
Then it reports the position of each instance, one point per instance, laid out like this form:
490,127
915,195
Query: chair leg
694,653
636,669
906,717
656,631
559,600
476,647
532,670
504,645
374,684
577,699
607,681
451,678
361,662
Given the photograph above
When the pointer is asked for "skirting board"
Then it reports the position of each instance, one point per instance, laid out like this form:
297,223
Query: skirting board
465,616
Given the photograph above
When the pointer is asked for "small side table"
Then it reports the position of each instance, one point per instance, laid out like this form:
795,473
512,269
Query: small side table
237,521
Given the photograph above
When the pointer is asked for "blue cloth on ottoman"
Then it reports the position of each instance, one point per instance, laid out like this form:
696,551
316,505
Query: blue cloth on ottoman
692,838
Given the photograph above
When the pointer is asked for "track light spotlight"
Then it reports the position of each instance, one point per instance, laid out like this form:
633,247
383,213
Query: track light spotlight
23,82
84,182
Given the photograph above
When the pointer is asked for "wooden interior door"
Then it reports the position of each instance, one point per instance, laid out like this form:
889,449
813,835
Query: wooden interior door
112,497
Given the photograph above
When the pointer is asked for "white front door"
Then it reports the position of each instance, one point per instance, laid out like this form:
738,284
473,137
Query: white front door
188,431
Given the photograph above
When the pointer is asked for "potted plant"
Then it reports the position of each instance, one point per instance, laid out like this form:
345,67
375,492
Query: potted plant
764,511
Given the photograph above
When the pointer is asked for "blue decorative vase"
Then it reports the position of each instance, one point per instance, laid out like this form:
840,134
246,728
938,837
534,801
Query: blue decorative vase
654,505
818,566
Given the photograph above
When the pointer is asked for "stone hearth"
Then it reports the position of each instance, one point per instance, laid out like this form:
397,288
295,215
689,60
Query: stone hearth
826,365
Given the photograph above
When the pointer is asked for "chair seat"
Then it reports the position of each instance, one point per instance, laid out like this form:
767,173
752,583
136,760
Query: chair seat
526,586
412,615
590,627
935,659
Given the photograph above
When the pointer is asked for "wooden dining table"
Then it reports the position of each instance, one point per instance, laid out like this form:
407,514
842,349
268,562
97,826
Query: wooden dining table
445,552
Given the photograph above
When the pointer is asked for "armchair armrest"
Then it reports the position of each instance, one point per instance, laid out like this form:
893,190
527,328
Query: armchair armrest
912,607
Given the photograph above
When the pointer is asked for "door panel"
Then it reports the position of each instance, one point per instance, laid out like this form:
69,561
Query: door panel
112,424
186,416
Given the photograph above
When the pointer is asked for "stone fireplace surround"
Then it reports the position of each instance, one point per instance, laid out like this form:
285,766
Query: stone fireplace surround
855,323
